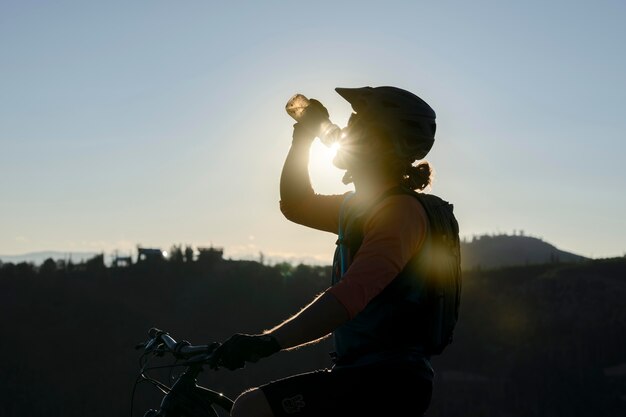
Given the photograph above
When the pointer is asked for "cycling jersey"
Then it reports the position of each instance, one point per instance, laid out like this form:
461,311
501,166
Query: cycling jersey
394,233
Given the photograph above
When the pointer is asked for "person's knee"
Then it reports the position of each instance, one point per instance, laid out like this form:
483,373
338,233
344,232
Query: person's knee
251,403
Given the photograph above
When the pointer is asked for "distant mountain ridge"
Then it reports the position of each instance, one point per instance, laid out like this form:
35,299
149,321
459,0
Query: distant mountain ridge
498,251
38,257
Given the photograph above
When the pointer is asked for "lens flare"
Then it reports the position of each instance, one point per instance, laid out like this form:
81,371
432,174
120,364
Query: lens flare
333,149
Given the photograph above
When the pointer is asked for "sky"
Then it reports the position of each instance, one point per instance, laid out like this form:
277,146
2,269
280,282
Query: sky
156,123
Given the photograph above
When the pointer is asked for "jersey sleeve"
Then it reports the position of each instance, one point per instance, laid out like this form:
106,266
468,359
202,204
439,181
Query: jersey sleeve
392,236
317,211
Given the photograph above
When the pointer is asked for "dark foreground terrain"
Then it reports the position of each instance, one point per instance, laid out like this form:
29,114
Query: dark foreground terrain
543,340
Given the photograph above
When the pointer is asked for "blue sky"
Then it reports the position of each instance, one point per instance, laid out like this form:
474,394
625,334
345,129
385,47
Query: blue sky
159,123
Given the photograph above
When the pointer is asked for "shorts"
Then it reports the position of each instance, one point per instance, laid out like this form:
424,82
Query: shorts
358,391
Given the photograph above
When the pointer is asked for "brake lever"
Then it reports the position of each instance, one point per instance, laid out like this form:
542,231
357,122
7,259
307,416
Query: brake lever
150,345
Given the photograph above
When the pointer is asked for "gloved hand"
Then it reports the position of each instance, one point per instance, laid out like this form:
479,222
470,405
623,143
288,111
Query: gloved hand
315,111
241,348
309,126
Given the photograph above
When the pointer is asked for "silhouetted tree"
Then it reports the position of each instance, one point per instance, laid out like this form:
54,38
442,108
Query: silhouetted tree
188,254
7,269
25,269
95,264
176,254
210,256
284,268
48,267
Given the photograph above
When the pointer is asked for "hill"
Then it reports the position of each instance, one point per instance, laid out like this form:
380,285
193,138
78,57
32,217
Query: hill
488,252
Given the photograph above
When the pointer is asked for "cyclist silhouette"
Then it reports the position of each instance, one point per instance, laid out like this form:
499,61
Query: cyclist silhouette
372,309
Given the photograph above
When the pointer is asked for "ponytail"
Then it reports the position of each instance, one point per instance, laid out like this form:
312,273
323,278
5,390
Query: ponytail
417,177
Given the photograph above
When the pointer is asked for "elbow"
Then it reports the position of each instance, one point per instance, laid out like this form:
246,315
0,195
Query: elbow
295,212
289,210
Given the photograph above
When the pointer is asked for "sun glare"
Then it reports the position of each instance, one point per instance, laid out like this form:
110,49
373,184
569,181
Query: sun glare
321,156
325,177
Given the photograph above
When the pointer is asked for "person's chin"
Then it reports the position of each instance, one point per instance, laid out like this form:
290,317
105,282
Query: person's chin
339,162
349,161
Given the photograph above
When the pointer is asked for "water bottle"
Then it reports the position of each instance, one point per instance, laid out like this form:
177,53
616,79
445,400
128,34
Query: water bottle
329,133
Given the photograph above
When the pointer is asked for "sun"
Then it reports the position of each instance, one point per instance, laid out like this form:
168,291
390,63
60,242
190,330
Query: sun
321,156
325,177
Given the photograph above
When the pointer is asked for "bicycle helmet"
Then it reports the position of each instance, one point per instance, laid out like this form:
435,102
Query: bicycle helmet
407,119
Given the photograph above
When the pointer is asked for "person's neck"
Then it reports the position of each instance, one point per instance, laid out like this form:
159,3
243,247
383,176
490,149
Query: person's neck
369,188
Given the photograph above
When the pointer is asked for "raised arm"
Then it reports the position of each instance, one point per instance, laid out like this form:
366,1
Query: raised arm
299,203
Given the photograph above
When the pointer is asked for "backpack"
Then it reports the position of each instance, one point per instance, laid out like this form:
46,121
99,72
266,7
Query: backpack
444,273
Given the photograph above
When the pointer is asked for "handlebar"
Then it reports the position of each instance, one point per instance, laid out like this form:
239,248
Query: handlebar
161,342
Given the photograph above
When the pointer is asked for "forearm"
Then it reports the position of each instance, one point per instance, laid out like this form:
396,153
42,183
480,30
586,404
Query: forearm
295,183
315,321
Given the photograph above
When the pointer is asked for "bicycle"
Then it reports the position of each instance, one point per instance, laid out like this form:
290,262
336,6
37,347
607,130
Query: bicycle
184,398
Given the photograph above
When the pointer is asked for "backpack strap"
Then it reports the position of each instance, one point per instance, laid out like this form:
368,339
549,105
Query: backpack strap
343,250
